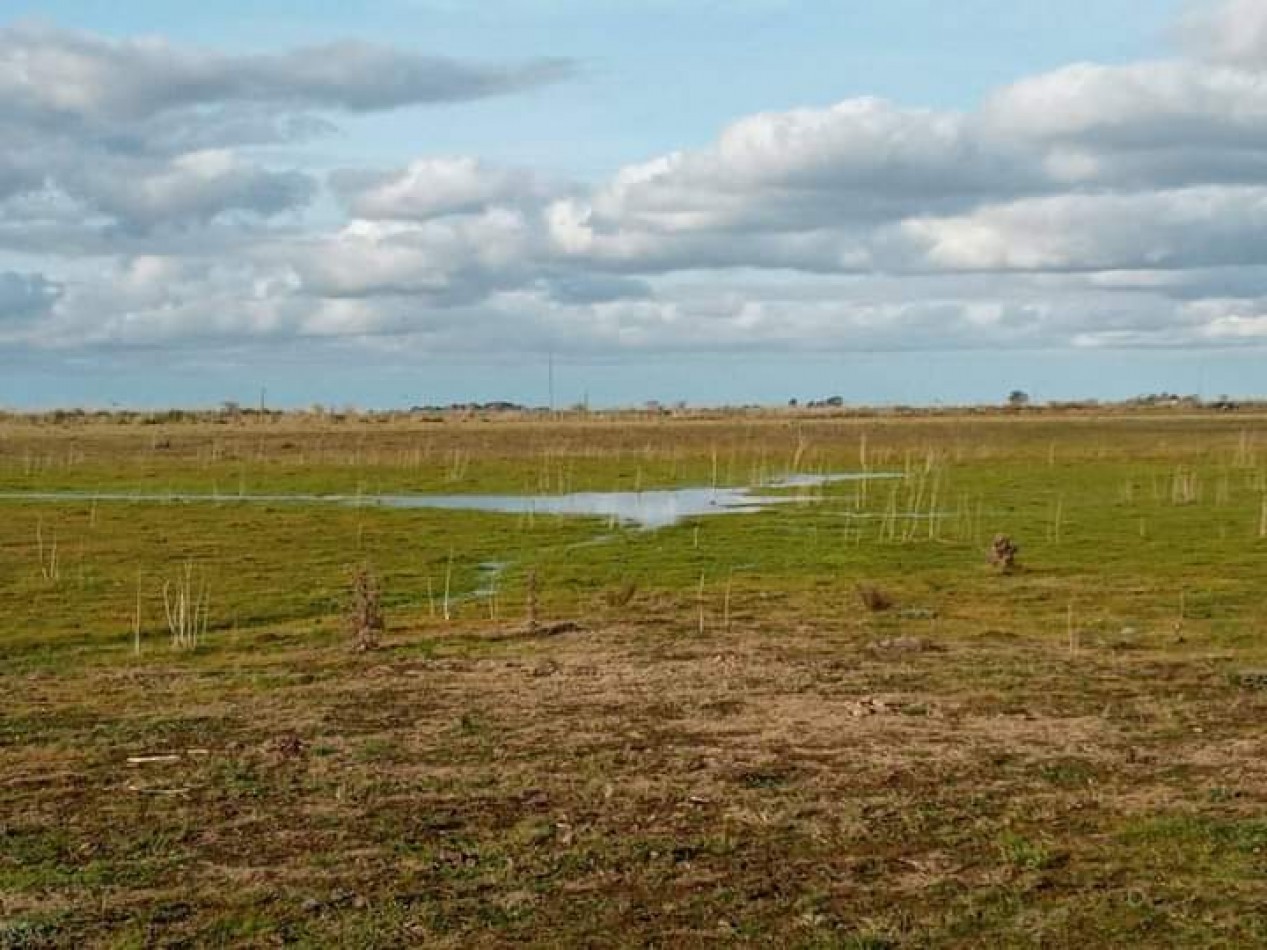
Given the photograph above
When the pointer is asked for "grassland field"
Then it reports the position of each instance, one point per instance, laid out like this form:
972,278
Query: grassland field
724,745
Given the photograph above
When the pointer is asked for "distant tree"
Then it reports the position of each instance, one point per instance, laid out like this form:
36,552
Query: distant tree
1018,398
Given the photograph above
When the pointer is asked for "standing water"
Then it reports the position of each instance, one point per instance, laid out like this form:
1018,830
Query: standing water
645,509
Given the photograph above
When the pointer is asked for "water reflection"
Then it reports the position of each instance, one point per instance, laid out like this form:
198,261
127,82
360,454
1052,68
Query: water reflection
645,509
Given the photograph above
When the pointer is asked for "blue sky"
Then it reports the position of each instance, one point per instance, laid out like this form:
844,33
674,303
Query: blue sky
739,201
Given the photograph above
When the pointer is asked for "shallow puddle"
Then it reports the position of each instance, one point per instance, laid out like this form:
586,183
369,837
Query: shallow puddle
645,509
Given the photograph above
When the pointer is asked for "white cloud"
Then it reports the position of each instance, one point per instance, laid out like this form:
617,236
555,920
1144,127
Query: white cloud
144,134
49,74
1227,31
156,300
195,186
431,188
860,161
1197,227
1135,106
448,259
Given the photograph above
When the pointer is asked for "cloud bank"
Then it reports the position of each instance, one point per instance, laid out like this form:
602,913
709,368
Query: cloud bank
146,194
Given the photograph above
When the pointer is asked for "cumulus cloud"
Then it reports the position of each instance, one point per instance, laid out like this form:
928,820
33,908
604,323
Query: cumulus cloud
1229,31
432,188
1141,105
1145,125
835,177
455,258
859,161
195,186
87,189
144,134
1192,228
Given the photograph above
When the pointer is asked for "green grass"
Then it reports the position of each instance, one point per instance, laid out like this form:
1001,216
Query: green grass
1067,755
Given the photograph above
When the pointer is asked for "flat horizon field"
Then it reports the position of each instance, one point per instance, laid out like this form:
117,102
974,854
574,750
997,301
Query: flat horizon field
827,723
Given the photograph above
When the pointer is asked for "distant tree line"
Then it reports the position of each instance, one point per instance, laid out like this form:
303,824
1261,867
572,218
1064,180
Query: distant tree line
232,413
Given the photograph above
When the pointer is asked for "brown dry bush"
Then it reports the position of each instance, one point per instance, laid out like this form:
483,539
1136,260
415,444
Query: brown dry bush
1002,553
873,598
365,617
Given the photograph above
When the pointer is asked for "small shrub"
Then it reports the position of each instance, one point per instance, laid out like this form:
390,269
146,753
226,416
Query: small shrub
1022,854
1002,553
365,609
21,934
288,745
873,598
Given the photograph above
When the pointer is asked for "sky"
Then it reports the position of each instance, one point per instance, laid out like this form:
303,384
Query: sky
386,203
